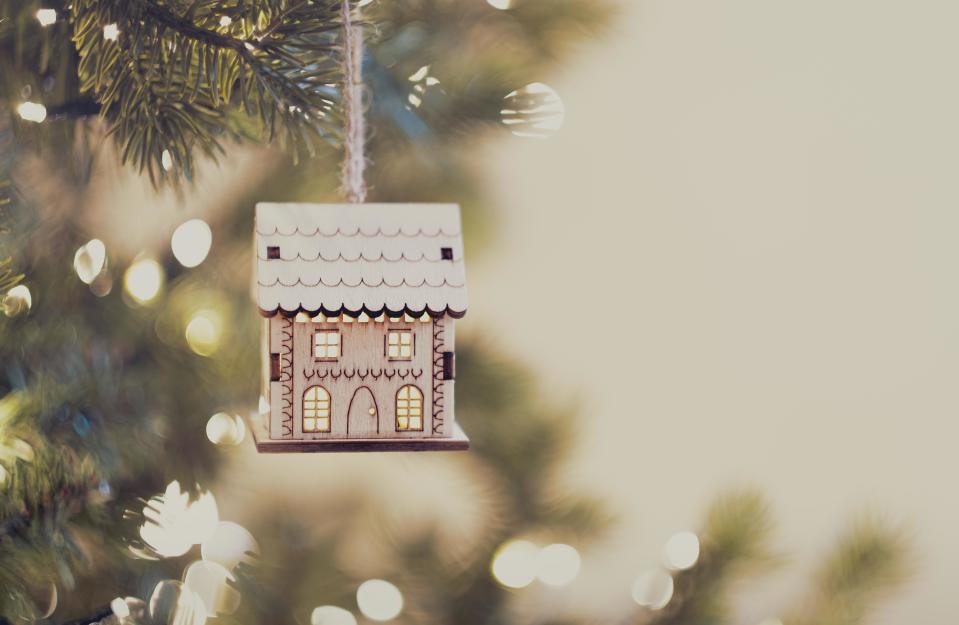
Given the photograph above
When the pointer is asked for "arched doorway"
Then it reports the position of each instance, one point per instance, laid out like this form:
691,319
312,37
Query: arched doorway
364,419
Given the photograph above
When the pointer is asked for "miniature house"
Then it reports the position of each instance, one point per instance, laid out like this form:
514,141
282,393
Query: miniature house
359,303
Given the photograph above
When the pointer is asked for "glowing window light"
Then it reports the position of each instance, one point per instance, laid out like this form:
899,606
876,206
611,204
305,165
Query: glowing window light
191,242
111,32
204,331
379,600
557,565
331,615
32,112
90,260
143,280
653,589
514,564
409,409
681,551
46,16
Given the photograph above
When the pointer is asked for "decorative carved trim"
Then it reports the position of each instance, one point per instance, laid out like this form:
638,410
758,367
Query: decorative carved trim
439,330
286,374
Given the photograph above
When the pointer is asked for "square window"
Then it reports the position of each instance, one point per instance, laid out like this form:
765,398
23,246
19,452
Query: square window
446,253
272,252
399,344
326,344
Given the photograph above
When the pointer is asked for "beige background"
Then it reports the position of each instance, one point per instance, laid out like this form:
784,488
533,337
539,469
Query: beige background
750,217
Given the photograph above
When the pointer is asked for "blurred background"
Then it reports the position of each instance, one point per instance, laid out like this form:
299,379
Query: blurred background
707,368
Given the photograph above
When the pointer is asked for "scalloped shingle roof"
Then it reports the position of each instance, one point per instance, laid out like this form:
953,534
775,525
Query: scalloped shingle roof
356,258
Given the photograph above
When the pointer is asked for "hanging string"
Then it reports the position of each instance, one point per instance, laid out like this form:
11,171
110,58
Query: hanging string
354,157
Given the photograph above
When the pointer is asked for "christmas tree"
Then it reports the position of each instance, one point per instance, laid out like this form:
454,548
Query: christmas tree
123,372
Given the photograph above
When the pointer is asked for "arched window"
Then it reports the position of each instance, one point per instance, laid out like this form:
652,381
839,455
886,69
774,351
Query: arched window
316,410
409,409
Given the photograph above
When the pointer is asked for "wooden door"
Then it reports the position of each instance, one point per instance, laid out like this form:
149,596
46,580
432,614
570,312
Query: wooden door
364,418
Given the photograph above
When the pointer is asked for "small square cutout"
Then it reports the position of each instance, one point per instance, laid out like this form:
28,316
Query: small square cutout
446,253
273,252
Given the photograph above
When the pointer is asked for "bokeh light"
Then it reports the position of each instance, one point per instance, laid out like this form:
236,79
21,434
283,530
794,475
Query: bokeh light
229,545
331,615
90,260
174,523
204,331
17,301
32,112
111,32
535,111
681,551
502,5
263,406
172,602
557,564
143,280
225,21
225,429
46,16
120,608
191,242
379,600
211,582
653,589
515,563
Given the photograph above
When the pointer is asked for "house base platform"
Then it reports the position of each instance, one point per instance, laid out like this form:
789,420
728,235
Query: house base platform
264,444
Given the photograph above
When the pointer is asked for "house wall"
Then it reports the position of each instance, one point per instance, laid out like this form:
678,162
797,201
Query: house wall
362,363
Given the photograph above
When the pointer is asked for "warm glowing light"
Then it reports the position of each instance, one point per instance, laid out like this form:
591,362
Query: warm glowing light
174,524
166,160
557,565
32,111
229,545
225,21
90,260
212,584
331,615
653,589
203,332
224,429
514,564
420,74
535,111
120,608
681,551
18,300
143,280
191,242
172,602
362,3
379,600
111,32
502,5
46,16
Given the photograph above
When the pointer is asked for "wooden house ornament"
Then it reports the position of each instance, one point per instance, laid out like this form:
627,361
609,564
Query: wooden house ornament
358,348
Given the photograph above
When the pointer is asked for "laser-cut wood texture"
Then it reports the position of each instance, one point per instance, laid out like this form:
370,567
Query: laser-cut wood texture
334,267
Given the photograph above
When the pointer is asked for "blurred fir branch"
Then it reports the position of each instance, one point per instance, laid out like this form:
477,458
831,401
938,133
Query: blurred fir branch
174,76
870,561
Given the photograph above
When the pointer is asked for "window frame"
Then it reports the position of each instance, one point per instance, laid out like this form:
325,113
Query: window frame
318,407
339,344
399,344
408,408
